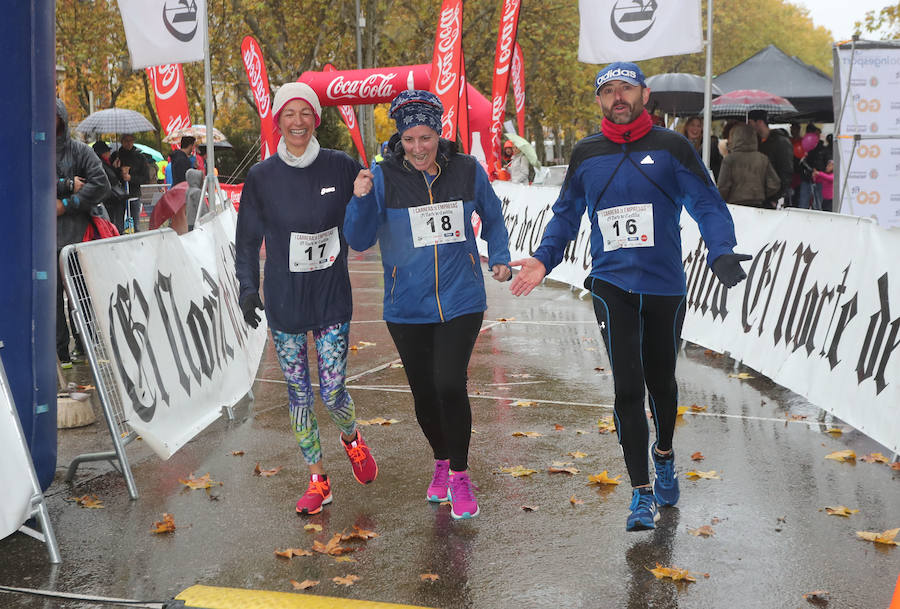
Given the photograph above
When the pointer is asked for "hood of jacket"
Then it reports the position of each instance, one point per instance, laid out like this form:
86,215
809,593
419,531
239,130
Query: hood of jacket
62,138
743,139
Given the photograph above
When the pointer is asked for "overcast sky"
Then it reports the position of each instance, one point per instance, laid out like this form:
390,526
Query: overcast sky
840,15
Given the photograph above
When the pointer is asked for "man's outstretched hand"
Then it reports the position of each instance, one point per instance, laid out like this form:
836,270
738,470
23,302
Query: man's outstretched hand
531,274
727,268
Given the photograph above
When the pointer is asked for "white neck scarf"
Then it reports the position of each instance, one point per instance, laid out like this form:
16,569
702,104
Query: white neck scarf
304,160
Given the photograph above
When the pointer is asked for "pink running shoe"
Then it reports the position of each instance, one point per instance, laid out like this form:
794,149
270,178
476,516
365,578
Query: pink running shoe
365,470
462,499
317,494
440,482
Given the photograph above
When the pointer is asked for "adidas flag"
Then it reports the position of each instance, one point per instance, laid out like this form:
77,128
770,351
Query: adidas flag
163,31
631,30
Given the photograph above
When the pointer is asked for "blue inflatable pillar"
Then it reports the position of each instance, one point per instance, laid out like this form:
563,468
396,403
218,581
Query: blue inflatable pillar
28,265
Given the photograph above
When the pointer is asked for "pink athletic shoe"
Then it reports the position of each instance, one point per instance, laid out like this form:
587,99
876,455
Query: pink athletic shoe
440,482
462,499
365,470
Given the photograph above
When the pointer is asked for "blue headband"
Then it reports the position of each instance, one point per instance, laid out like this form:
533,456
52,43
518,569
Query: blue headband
414,107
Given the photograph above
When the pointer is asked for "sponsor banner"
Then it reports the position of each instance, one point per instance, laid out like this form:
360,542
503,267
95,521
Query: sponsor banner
173,327
349,116
370,86
170,95
821,320
518,80
463,123
163,31
445,66
873,102
506,40
15,465
870,179
255,67
631,30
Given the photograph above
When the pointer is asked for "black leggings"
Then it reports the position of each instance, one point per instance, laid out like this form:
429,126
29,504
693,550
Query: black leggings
436,358
642,334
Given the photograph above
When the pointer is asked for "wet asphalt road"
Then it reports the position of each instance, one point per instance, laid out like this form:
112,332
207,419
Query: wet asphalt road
772,540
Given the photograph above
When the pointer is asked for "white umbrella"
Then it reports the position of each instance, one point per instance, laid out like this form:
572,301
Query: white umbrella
196,131
114,120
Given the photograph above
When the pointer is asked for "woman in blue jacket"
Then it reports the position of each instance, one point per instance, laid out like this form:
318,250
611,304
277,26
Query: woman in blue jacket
417,204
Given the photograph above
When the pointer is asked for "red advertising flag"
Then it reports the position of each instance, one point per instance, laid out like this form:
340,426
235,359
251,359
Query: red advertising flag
463,122
171,96
518,79
349,116
445,66
259,84
506,39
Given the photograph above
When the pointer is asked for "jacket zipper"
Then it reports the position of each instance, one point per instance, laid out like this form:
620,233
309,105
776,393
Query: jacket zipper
393,283
474,272
437,296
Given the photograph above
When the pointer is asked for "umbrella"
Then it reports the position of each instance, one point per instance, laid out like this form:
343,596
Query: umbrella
678,93
525,146
114,120
739,103
197,131
156,154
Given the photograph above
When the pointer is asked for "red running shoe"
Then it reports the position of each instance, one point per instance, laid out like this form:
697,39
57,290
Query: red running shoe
365,470
317,494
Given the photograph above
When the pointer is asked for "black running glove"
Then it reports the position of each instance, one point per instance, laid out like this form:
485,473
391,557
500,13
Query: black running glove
248,307
727,268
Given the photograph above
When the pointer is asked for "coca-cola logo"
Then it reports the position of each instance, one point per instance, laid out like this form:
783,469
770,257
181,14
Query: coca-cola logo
177,122
166,80
447,37
447,125
518,78
349,116
255,68
507,35
373,86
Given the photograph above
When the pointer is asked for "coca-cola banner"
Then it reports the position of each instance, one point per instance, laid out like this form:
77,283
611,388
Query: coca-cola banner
349,116
259,84
518,80
370,86
506,40
463,122
171,96
445,66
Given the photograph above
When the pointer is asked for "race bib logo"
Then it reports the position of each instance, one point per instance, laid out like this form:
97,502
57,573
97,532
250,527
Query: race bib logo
180,19
630,20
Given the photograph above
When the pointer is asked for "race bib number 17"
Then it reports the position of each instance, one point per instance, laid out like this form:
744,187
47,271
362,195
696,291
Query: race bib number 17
626,226
313,252
437,223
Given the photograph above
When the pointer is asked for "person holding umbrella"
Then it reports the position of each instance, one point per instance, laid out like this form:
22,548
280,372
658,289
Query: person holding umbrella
133,164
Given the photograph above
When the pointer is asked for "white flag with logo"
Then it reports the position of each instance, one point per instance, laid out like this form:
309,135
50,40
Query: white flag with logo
630,30
163,31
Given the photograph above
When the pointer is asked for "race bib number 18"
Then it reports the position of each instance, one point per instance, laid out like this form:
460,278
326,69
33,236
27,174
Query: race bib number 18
626,226
313,252
437,223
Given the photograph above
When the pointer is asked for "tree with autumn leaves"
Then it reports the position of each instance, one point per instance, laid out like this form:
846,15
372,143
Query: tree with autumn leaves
300,35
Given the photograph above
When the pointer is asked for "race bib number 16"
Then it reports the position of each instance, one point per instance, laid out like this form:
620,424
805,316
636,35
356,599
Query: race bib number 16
437,223
313,252
626,226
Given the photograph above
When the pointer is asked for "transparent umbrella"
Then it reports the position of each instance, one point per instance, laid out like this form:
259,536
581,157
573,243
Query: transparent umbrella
199,132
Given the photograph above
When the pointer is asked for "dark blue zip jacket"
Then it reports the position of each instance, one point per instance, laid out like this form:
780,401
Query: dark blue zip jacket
435,283
661,168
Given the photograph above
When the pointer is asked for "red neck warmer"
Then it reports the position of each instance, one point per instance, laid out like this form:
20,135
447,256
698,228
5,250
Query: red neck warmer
629,132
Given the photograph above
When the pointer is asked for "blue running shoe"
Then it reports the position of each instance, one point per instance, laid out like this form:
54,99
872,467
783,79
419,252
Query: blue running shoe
665,487
643,511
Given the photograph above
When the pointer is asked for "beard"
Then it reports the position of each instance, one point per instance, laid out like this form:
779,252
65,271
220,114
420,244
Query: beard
623,119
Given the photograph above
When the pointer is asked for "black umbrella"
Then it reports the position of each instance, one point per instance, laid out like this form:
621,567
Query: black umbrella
678,93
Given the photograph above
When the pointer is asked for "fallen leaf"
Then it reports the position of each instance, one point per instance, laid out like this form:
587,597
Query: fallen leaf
525,403
741,375
265,473
530,508
576,454
818,597
561,463
702,531
895,466
558,427
305,584
715,521
506,319
606,425
835,431
166,525
575,501
333,547
517,471
203,481
842,455
526,434
674,573
886,538
376,421
364,343
874,458
359,533
88,501
312,527
345,559
679,412
354,348
796,417
429,577
840,510
697,456
347,580
697,475
237,453
563,470
603,478
290,552
396,365
695,408
600,369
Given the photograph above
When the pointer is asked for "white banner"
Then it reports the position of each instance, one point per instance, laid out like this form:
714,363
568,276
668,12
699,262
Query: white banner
168,310
15,466
631,30
813,316
163,31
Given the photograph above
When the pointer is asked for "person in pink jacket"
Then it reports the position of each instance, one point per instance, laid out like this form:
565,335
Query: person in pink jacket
826,179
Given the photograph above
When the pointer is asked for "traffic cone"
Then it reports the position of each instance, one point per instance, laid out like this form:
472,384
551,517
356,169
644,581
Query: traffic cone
895,602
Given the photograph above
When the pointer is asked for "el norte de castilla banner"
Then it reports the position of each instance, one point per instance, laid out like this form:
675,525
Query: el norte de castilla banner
819,312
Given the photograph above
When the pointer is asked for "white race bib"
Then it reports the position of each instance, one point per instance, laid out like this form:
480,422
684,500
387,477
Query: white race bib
437,223
310,252
626,226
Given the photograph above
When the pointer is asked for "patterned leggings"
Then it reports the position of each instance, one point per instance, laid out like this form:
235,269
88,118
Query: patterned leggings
331,352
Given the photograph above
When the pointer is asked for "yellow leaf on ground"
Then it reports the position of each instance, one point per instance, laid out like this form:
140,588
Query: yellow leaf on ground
835,431
674,573
604,478
347,580
679,412
886,538
312,527
697,475
558,427
576,454
525,403
333,547
874,458
840,510
695,408
376,421
606,425
166,525
237,453
359,533
429,577
702,531
364,343
506,319
291,552
563,470
396,365
574,501
344,559
203,481
697,456
741,375
526,434
517,471
819,597
88,501
266,473
842,455
305,584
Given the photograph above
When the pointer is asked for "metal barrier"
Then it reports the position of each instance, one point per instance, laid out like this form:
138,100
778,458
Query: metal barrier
101,366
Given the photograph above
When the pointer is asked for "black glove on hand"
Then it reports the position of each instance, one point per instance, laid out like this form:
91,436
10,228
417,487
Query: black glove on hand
248,307
727,268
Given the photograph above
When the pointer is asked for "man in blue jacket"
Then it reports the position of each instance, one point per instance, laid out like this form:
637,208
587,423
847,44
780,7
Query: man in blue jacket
633,180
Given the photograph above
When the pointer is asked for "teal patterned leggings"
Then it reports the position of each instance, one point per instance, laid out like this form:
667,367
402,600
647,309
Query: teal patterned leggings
331,351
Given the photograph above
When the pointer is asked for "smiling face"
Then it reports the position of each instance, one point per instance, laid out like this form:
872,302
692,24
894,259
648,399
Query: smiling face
622,102
693,129
297,122
420,143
